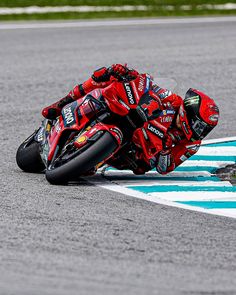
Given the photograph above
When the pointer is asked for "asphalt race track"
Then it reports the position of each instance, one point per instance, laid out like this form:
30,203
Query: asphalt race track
82,239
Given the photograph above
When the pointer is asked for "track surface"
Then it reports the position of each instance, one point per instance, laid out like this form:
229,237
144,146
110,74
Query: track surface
83,239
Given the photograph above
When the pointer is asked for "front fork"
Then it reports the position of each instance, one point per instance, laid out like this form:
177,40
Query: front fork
41,136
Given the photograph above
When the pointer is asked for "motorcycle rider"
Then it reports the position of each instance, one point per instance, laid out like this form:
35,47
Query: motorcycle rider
195,116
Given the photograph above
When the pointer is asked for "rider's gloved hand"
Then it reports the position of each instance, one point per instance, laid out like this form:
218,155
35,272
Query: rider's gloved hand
119,70
116,70
165,162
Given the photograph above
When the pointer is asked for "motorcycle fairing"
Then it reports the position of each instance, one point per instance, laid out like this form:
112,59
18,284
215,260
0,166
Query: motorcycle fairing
121,97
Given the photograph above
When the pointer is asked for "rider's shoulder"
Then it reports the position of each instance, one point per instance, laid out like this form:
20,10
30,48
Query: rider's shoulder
167,96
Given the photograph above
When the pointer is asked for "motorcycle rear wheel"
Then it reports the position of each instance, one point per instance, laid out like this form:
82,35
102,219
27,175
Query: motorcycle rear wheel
84,162
28,156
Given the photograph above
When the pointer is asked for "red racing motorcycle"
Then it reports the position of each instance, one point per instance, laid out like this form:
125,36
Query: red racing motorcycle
107,126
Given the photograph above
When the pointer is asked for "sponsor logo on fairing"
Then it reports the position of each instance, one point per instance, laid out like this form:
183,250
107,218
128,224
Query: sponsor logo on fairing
148,79
40,135
129,93
68,116
155,130
141,83
191,100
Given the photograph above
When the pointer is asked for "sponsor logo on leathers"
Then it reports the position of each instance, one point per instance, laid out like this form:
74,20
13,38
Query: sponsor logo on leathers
155,130
165,119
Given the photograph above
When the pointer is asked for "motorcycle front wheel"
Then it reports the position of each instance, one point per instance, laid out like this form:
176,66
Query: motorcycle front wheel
28,156
74,164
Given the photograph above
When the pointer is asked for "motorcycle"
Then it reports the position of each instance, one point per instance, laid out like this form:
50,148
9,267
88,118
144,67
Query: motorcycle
106,126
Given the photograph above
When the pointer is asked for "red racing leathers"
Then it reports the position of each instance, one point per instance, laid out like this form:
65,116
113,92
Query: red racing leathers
177,148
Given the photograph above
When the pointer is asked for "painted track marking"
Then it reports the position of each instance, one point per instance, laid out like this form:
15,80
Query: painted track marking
192,186
115,22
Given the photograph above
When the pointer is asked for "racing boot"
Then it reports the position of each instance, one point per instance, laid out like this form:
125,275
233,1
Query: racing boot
54,110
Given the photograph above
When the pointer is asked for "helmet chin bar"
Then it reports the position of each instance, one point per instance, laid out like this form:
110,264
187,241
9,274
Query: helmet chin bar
194,128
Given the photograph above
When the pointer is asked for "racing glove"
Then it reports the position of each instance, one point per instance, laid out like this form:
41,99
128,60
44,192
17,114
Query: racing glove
119,70
122,71
165,162
103,74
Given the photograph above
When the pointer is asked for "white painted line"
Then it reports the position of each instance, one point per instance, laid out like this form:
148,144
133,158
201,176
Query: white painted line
114,23
219,140
226,6
148,197
158,182
86,8
194,196
218,151
80,9
197,163
155,174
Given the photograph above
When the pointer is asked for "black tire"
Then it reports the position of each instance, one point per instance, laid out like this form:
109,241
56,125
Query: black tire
84,162
28,156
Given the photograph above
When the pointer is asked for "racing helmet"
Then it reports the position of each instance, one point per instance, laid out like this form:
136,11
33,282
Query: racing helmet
198,115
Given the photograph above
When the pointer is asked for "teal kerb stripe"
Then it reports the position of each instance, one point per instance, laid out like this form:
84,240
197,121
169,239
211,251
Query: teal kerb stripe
214,158
181,188
196,168
162,178
229,143
211,204
183,168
